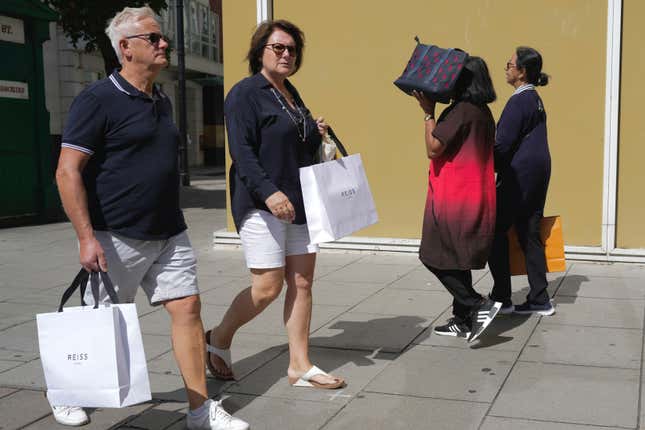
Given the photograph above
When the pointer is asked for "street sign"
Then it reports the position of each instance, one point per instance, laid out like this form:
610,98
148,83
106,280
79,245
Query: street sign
14,90
12,29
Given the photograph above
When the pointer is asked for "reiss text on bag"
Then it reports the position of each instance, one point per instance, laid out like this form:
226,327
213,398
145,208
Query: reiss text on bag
93,356
337,197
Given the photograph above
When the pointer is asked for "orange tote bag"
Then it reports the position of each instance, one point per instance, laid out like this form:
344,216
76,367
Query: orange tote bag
551,233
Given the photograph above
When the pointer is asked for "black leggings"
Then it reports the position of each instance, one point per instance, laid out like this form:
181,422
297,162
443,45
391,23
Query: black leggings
528,234
459,283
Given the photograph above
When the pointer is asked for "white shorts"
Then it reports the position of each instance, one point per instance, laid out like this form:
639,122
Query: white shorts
164,269
267,240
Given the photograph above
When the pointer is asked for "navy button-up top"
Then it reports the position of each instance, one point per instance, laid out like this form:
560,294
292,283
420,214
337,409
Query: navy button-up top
266,146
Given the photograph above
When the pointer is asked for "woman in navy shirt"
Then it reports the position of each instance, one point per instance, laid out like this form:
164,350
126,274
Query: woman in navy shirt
271,134
523,166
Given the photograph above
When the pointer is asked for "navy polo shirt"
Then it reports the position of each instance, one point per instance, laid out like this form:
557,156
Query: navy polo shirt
132,176
266,146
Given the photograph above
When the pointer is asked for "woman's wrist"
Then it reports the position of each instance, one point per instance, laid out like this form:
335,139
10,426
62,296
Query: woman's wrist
428,116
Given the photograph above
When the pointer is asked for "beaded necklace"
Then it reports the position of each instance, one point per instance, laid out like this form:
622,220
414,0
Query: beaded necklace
295,120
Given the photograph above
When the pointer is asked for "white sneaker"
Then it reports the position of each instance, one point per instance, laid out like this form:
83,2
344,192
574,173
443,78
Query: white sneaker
70,415
216,418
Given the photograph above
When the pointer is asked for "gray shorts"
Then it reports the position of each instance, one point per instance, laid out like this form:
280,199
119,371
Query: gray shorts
164,269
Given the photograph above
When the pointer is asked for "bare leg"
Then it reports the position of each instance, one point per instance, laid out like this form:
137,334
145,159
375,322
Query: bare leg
188,346
297,314
266,285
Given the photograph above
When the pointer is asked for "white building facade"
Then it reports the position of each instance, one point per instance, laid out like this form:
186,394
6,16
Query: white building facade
68,70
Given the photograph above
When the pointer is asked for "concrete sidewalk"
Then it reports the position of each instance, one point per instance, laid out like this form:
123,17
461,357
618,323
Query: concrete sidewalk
372,320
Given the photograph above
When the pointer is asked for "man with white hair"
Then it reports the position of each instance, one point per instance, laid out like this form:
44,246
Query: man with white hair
118,179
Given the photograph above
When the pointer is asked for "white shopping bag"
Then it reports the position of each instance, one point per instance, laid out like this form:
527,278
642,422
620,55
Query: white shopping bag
337,198
93,356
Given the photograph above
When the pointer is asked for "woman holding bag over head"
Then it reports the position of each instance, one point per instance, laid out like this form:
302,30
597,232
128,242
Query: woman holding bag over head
523,165
271,134
459,218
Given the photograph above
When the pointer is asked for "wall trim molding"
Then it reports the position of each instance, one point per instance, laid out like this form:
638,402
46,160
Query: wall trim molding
612,110
223,239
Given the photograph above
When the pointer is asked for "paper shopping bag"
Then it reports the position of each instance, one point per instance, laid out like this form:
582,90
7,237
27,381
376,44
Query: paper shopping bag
337,198
551,234
93,356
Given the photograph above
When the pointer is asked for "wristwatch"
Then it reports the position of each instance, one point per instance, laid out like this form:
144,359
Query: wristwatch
428,117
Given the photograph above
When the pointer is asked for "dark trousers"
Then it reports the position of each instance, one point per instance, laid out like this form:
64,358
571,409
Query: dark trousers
528,234
459,283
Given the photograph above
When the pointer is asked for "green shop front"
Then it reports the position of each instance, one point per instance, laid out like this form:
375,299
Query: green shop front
27,189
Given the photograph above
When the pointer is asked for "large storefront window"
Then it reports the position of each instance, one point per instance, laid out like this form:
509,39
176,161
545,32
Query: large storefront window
201,28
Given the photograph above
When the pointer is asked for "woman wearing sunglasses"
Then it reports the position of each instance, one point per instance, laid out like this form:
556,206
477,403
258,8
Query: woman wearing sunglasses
459,220
523,165
271,134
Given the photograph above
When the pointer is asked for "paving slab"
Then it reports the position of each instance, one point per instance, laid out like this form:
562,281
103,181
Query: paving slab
617,270
223,295
370,273
357,367
4,392
585,346
28,375
599,313
495,423
32,406
445,373
156,345
160,416
426,304
519,285
603,287
389,412
506,333
158,321
100,419
418,279
22,337
342,293
570,394
370,332
391,259
12,314
294,414
271,321
248,352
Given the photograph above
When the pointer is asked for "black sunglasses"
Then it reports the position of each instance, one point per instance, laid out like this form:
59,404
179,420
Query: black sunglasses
153,38
279,48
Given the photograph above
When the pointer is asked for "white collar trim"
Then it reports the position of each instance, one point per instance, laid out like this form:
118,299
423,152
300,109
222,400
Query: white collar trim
118,85
525,87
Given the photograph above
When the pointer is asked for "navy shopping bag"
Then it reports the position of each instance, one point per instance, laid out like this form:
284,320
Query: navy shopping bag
432,70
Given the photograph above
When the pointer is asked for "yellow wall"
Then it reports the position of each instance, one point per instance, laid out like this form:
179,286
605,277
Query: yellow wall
630,232
355,50
238,24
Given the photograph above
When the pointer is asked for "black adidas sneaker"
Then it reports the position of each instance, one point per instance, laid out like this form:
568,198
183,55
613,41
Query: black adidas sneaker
453,327
482,316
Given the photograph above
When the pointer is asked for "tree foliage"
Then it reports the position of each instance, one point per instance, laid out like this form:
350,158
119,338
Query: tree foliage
84,21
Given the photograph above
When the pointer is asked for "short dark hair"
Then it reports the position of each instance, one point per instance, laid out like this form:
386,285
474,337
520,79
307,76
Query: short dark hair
474,83
531,61
261,36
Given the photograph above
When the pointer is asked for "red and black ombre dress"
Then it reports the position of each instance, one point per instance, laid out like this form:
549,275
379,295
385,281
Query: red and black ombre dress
459,219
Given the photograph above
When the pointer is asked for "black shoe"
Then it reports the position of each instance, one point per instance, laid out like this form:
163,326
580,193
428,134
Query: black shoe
482,317
526,308
454,327
507,306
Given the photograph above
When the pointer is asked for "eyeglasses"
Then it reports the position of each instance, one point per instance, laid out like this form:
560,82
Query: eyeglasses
153,38
279,49
510,65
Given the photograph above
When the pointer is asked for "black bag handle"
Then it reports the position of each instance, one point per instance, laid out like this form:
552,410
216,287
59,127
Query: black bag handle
339,144
80,280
